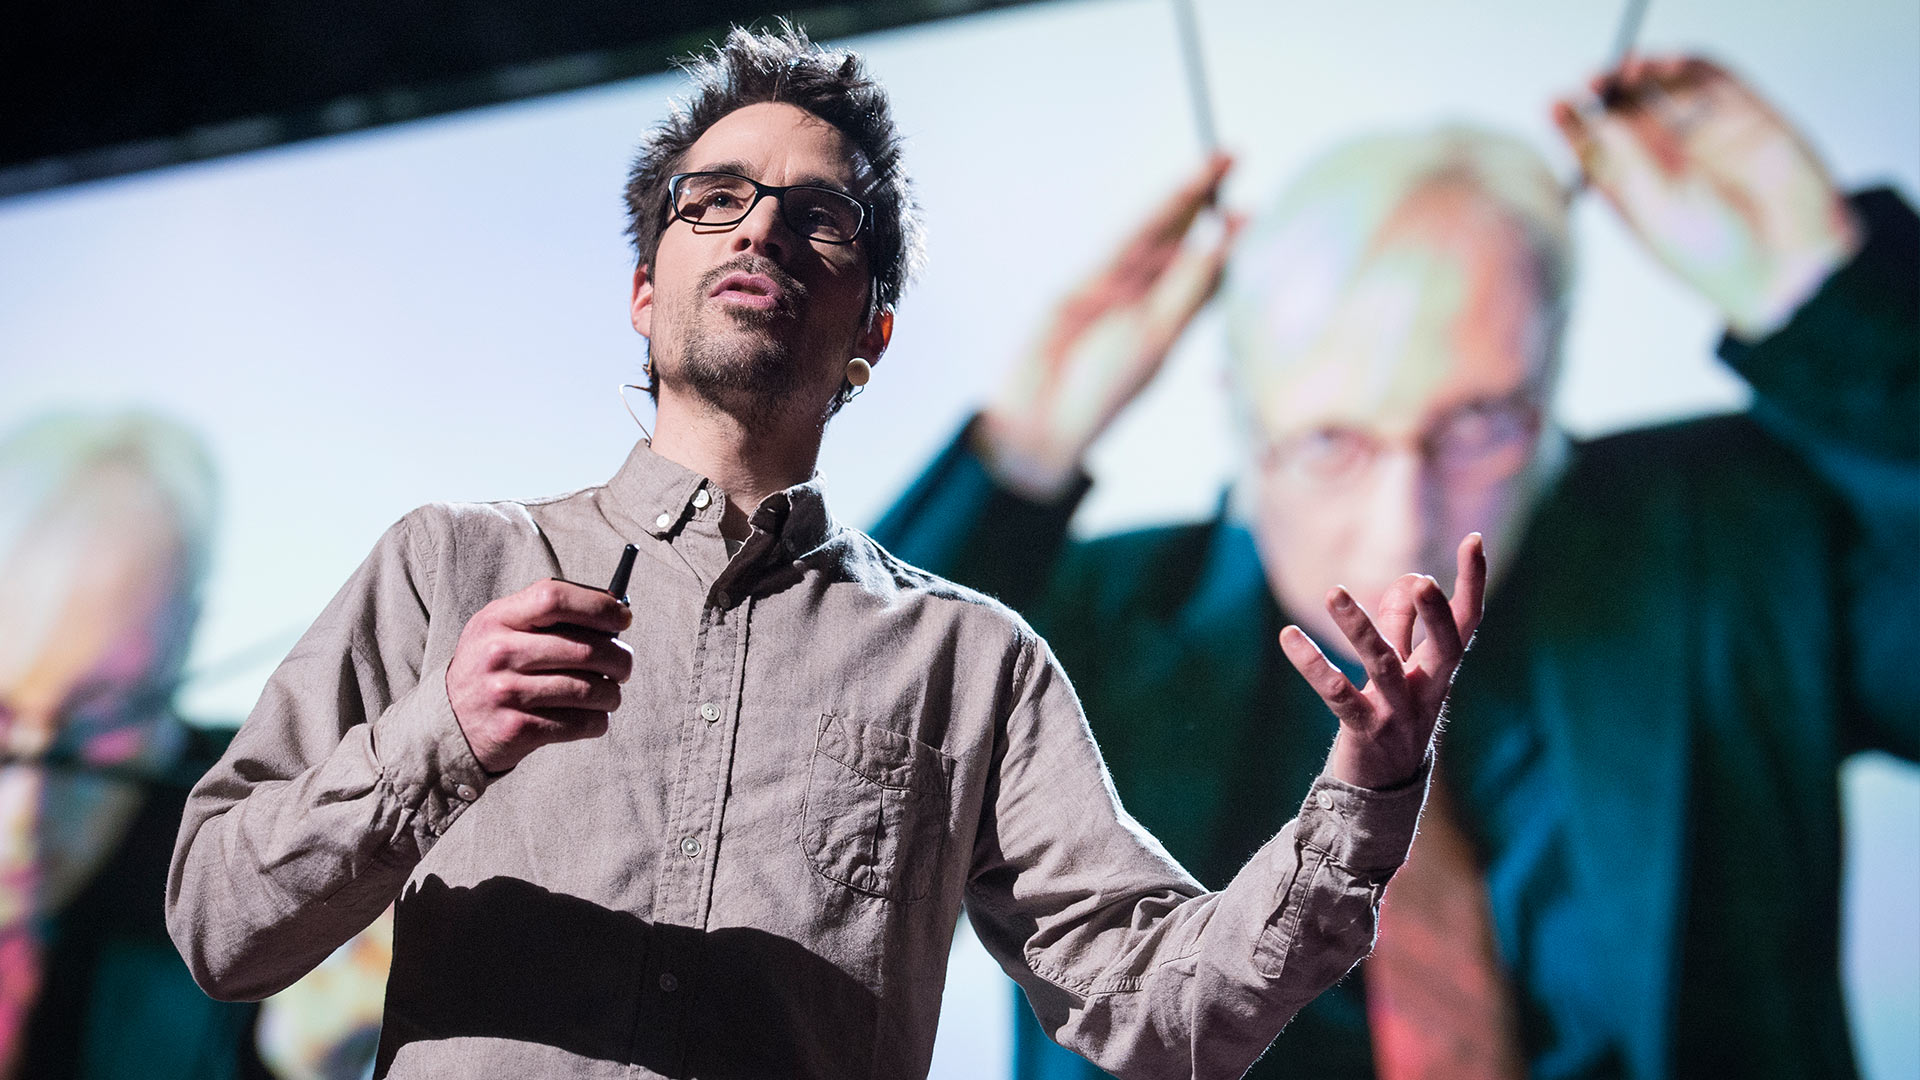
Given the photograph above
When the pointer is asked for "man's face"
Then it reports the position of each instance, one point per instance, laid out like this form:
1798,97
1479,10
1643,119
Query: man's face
754,318
88,602
1412,415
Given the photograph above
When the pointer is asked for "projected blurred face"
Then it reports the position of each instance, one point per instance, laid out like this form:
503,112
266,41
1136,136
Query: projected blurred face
757,315
88,598
1408,412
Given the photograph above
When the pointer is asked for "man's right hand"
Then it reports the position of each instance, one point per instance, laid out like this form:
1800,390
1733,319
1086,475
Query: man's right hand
540,666
1105,342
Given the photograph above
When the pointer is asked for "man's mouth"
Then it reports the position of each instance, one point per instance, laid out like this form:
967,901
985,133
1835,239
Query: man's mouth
756,291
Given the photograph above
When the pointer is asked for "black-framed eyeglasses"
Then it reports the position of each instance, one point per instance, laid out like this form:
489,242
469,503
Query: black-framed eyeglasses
720,199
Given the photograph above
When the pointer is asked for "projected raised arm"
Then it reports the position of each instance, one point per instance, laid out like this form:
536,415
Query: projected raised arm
1105,342
1716,185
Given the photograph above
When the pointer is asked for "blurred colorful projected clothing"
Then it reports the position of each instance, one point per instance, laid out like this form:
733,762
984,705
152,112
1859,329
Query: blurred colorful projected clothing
116,1002
106,524
1705,619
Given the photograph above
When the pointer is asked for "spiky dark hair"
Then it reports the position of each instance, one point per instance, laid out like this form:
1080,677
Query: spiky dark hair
784,65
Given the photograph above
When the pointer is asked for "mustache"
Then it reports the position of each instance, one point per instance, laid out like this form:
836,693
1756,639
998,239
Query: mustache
793,294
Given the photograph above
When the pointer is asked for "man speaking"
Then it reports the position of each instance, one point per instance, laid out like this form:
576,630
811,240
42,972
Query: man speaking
726,831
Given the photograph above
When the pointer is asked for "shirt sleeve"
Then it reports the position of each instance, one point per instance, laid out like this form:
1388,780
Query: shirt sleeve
339,781
1844,373
1840,383
1124,958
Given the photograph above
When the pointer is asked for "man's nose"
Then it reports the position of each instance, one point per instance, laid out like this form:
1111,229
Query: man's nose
25,732
764,231
1399,509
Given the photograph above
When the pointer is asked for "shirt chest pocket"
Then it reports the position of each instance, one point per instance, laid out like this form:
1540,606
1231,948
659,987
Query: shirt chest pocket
875,818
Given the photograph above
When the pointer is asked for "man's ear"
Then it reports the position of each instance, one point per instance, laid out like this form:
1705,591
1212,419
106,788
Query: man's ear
873,340
640,308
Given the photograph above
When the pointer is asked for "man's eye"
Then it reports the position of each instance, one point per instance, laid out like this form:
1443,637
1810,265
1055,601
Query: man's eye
1483,430
720,200
1325,453
1331,446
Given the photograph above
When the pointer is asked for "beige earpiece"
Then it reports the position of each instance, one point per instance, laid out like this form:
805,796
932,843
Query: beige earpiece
859,371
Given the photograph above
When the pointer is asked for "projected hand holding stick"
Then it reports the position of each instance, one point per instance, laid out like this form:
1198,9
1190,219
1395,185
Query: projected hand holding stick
1105,342
1714,183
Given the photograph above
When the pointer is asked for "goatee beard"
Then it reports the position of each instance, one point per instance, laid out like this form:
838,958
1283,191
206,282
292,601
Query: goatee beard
749,376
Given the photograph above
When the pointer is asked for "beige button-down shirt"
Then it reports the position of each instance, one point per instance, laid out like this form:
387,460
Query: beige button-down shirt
822,755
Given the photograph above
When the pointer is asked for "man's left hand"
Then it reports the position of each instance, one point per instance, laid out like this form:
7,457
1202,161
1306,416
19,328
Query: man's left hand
1715,184
1386,730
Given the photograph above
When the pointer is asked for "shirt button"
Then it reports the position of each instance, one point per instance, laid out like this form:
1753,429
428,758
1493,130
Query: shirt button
1325,799
701,500
709,712
689,847
668,982
465,791
662,521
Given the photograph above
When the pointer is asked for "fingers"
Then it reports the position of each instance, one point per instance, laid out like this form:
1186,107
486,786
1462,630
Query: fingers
1640,76
1145,254
1326,680
1573,128
558,725
1378,657
1188,284
572,725
1396,614
553,602
1469,585
1437,619
1171,219
533,652
1639,116
573,691
1629,159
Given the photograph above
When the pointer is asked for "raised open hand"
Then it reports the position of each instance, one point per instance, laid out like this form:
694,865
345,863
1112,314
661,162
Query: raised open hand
1105,342
1386,730
1715,183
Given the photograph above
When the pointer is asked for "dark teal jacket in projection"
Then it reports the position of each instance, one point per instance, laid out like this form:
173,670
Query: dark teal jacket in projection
1704,621
117,1002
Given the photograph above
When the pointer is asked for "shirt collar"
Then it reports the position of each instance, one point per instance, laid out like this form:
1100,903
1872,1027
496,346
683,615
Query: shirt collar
658,496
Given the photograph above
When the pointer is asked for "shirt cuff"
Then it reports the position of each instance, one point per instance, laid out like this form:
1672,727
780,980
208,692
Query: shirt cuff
425,758
1364,830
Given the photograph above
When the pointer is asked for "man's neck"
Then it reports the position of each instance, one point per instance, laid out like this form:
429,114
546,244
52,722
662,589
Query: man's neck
748,463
